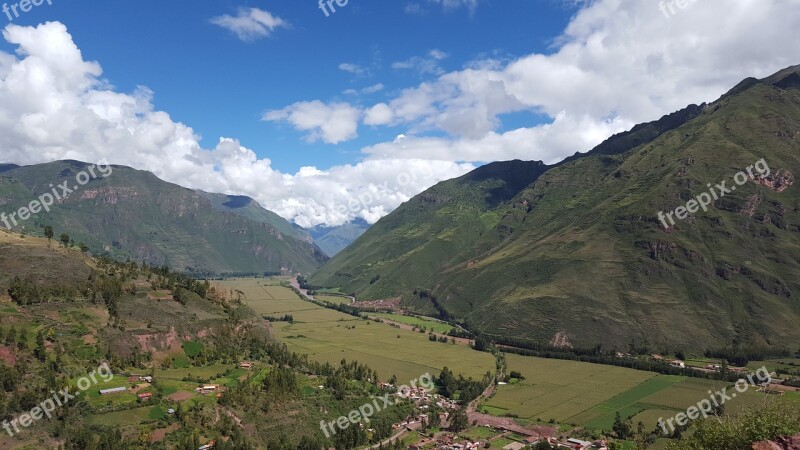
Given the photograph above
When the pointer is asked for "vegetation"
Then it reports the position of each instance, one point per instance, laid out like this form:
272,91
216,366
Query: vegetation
579,246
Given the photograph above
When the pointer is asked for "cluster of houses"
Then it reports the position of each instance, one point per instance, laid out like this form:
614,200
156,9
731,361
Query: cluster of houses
448,441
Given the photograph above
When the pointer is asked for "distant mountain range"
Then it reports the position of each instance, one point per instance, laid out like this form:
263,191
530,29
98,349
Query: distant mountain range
575,253
332,240
133,214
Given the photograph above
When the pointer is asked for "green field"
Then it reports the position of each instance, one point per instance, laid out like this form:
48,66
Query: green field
561,390
590,395
330,336
429,324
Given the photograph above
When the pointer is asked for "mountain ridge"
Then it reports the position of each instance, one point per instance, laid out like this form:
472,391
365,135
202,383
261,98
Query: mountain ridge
133,214
579,253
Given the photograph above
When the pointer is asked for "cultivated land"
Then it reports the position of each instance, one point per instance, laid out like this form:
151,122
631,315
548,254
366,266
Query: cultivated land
590,395
330,336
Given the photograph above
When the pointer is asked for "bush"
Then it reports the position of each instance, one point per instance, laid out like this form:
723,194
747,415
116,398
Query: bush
775,419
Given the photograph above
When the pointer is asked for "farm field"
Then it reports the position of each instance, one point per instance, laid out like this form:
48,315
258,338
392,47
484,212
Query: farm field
430,325
590,395
560,390
330,336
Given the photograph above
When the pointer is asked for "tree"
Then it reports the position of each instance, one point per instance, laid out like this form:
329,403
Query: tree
459,420
48,233
40,351
64,238
620,428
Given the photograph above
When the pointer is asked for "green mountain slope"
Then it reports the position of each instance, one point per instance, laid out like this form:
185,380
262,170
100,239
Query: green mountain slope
133,214
579,254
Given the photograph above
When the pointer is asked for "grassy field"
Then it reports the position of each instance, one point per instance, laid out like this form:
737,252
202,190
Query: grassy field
561,390
429,324
590,395
330,336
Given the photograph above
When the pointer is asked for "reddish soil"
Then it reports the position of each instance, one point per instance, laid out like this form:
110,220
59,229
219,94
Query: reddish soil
7,355
160,433
180,396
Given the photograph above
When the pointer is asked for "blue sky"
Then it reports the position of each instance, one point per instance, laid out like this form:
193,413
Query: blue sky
328,119
208,78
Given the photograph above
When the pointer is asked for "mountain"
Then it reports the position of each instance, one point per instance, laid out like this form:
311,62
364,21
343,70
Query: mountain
576,253
332,240
133,214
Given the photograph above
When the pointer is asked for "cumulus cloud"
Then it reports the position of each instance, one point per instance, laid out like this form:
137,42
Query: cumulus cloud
332,123
618,63
53,105
250,24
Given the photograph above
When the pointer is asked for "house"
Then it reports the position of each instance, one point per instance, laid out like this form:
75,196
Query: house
678,363
147,379
578,444
145,396
113,391
245,365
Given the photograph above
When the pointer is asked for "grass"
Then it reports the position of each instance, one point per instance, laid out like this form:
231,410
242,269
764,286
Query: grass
561,390
126,417
591,395
330,336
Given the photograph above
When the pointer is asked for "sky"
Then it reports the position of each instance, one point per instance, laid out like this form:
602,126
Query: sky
327,113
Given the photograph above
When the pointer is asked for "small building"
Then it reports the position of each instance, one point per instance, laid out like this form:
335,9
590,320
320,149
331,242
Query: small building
245,365
578,444
116,390
145,395
679,363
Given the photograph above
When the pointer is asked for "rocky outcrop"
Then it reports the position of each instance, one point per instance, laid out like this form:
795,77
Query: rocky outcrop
784,443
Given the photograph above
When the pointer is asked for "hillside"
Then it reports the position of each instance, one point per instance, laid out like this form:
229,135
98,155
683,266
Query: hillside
133,214
578,251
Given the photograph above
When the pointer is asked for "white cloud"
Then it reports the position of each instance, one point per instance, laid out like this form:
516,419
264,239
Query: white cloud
423,65
380,114
355,69
333,123
250,24
619,62
375,88
54,106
